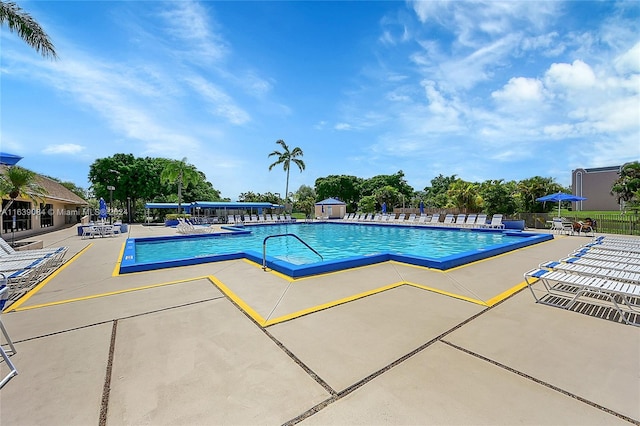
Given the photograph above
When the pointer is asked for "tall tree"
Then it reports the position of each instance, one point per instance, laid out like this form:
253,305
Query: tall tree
182,173
27,28
286,157
627,186
536,187
343,187
18,182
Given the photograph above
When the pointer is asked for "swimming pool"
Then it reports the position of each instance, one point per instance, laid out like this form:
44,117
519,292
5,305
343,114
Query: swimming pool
341,246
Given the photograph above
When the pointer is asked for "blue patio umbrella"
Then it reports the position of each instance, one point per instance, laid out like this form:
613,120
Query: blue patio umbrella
103,209
421,208
559,197
384,207
9,159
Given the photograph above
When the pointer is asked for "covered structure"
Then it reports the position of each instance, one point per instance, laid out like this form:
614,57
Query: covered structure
330,208
214,209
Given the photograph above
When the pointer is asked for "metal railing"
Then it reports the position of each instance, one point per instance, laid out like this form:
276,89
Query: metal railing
264,247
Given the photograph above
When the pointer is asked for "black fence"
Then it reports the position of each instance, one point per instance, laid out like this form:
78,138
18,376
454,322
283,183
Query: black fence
613,223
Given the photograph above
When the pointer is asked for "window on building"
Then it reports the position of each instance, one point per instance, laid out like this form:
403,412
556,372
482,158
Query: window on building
46,215
17,217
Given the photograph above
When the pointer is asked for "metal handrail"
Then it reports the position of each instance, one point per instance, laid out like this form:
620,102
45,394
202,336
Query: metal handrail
264,247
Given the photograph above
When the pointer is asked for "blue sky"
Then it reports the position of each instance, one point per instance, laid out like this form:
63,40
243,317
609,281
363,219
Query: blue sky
483,90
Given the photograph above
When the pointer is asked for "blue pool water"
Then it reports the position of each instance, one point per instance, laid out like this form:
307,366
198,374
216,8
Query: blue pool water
332,241
341,245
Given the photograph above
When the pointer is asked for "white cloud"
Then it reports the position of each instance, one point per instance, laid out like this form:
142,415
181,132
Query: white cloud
629,61
221,103
575,76
520,90
67,148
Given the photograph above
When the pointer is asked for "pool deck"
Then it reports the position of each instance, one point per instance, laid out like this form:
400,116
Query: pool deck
228,343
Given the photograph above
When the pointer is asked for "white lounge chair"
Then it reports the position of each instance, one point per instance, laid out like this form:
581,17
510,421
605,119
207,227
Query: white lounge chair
481,221
435,219
470,221
596,271
400,217
449,219
496,222
411,219
4,295
570,287
609,264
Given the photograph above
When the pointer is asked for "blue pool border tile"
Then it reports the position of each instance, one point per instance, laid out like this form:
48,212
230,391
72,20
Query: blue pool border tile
128,262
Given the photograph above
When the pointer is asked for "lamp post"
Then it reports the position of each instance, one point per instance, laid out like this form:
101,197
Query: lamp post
111,189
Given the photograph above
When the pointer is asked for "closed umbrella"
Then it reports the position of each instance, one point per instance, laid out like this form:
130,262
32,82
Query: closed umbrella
421,208
102,209
559,197
384,207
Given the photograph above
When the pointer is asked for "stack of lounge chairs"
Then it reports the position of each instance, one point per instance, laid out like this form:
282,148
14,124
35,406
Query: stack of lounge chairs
605,273
20,271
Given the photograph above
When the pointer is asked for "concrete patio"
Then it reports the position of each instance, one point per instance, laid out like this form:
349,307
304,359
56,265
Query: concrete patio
228,343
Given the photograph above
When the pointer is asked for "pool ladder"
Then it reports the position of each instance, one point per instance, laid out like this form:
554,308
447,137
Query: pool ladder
264,247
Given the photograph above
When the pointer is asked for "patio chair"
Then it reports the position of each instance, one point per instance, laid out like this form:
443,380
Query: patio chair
449,220
4,295
606,256
57,252
595,271
435,219
481,221
598,263
573,286
496,222
400,217
471,221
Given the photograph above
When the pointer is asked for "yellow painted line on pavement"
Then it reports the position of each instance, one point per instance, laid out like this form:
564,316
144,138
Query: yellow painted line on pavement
237,300
330,304
15,305
111,293
446,293
116,270
505,294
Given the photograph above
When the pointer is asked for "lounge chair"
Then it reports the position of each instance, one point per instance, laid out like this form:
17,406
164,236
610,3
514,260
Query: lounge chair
603,245
460,219
4,295
602,272
435,219
609,264
400,217
57,252
571,286
449,220
496,222
606,256
423,219
411,219
481,221
471,221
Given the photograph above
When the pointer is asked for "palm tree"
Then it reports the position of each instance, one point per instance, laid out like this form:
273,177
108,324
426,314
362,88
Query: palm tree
285,158
181,172
19,182
31,32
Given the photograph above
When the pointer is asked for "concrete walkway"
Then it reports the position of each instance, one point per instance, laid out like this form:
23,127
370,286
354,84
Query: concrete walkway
227,343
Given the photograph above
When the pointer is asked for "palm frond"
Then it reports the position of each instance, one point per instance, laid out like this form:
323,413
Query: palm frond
27,28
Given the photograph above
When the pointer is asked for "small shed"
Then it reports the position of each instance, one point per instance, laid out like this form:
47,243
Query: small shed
330,208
